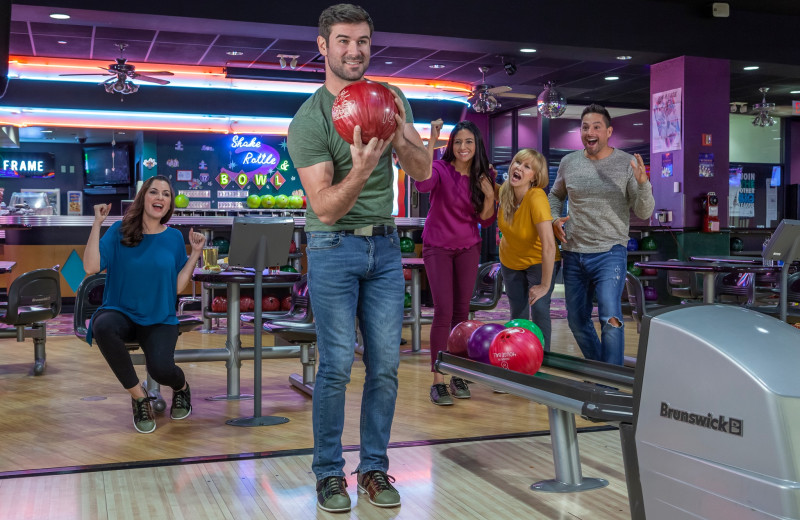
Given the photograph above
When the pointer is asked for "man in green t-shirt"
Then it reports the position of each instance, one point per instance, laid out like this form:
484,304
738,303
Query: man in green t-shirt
354,262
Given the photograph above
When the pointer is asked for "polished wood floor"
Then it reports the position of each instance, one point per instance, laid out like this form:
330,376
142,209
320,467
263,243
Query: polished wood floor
76,417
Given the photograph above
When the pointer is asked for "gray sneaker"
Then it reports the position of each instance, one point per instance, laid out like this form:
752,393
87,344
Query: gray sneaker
459,388
181,404
440,396
378,486
143,419
332,495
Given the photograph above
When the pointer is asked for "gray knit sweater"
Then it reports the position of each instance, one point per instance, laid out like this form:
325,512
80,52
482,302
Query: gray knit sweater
601,194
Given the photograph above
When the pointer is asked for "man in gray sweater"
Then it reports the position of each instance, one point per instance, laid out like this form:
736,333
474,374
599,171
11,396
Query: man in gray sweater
602,184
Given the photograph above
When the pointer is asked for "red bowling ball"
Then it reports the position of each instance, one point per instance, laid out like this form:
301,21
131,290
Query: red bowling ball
247,304
481,340
270,303
219,304
368,105
286,303
459,337
517,349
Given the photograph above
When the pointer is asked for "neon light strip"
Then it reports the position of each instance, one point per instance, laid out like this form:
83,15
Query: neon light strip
159,121
50,69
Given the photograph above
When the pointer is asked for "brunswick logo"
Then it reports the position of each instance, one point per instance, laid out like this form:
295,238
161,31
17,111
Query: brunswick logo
717,423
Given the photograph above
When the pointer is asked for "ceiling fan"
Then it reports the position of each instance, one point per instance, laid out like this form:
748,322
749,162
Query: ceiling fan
121,73
483,95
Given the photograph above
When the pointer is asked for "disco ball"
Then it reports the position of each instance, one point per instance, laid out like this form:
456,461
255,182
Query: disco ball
551,103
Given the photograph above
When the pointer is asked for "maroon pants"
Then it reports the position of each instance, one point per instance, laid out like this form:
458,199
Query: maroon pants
451,276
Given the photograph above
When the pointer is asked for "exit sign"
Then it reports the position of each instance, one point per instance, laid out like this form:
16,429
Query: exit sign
796,105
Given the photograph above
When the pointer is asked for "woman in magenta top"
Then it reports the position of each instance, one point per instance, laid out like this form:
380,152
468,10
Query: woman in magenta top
461,197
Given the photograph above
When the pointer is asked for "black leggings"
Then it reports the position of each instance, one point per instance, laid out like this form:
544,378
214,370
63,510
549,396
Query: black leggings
112,330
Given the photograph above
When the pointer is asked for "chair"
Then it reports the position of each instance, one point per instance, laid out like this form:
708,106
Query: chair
183,301
639,305
738,287
89,298
33,298
488,288
685,285
297,327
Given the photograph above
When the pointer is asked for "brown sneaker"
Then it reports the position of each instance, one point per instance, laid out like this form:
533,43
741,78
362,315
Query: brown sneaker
378,486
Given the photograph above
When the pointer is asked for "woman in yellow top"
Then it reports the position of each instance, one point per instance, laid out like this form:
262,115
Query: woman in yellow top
528,248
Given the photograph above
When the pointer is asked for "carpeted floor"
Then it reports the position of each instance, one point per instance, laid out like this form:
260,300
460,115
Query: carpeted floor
62,325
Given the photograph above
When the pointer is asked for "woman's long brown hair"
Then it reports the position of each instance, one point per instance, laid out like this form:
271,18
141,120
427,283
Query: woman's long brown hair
132,229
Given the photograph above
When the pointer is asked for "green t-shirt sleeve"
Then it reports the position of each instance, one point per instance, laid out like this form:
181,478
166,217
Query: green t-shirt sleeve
308,144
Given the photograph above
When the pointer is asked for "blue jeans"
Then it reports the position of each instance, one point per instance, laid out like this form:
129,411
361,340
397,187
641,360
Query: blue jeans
353,276
517,285
600,275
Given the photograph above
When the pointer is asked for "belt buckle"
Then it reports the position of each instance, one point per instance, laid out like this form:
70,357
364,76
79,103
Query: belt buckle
365,231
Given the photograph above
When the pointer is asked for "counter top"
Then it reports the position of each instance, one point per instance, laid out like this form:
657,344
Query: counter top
31,221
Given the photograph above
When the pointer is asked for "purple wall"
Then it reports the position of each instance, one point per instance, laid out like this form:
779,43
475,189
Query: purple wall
482,122
794,166
705,97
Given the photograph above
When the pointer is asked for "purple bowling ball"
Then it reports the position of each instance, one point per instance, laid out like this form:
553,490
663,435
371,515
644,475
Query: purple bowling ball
480,341
650,293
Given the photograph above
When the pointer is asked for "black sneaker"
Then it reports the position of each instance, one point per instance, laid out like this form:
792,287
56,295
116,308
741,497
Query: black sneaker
440,396
459,388
378,486
181,404
143,419
331,495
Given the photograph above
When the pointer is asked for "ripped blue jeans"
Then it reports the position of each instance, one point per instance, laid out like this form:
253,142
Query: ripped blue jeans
602,276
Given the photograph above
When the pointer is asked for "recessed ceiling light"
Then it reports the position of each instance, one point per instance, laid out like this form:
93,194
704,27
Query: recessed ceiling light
59,16
388,62
525,114
751,67
234,53
527,50
623,57
776,138
638,124
794,92
436,66
62,42
612,78
47,131
571,131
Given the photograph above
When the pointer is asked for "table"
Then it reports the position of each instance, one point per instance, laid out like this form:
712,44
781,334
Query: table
709,271
233,353
755,260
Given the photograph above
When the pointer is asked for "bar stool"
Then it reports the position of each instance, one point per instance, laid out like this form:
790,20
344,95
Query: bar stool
186,300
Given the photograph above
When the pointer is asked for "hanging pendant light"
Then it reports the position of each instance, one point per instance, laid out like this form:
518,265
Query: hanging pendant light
763,119
551,103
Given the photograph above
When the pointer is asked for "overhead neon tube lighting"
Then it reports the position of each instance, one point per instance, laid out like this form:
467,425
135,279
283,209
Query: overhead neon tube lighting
159,121
50,69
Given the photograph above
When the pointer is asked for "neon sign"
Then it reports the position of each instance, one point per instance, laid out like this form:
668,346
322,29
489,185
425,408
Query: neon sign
15,165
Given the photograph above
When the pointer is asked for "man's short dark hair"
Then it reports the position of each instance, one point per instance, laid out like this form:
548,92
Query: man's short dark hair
343,13
594,108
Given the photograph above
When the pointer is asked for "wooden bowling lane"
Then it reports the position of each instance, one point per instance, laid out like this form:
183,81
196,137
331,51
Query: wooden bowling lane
77,415
486,480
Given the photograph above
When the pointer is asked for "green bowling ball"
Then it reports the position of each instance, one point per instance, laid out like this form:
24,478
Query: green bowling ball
406,245
253,201
223,245
288,269
407,301
633,269
648,244
527,324
267,201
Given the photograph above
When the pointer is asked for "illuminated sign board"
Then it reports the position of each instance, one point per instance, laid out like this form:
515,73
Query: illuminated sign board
18,164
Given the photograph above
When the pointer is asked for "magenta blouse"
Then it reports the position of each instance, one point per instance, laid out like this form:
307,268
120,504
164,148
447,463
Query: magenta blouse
451,222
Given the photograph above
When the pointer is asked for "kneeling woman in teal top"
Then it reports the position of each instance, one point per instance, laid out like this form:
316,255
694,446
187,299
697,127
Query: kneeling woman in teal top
146,266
